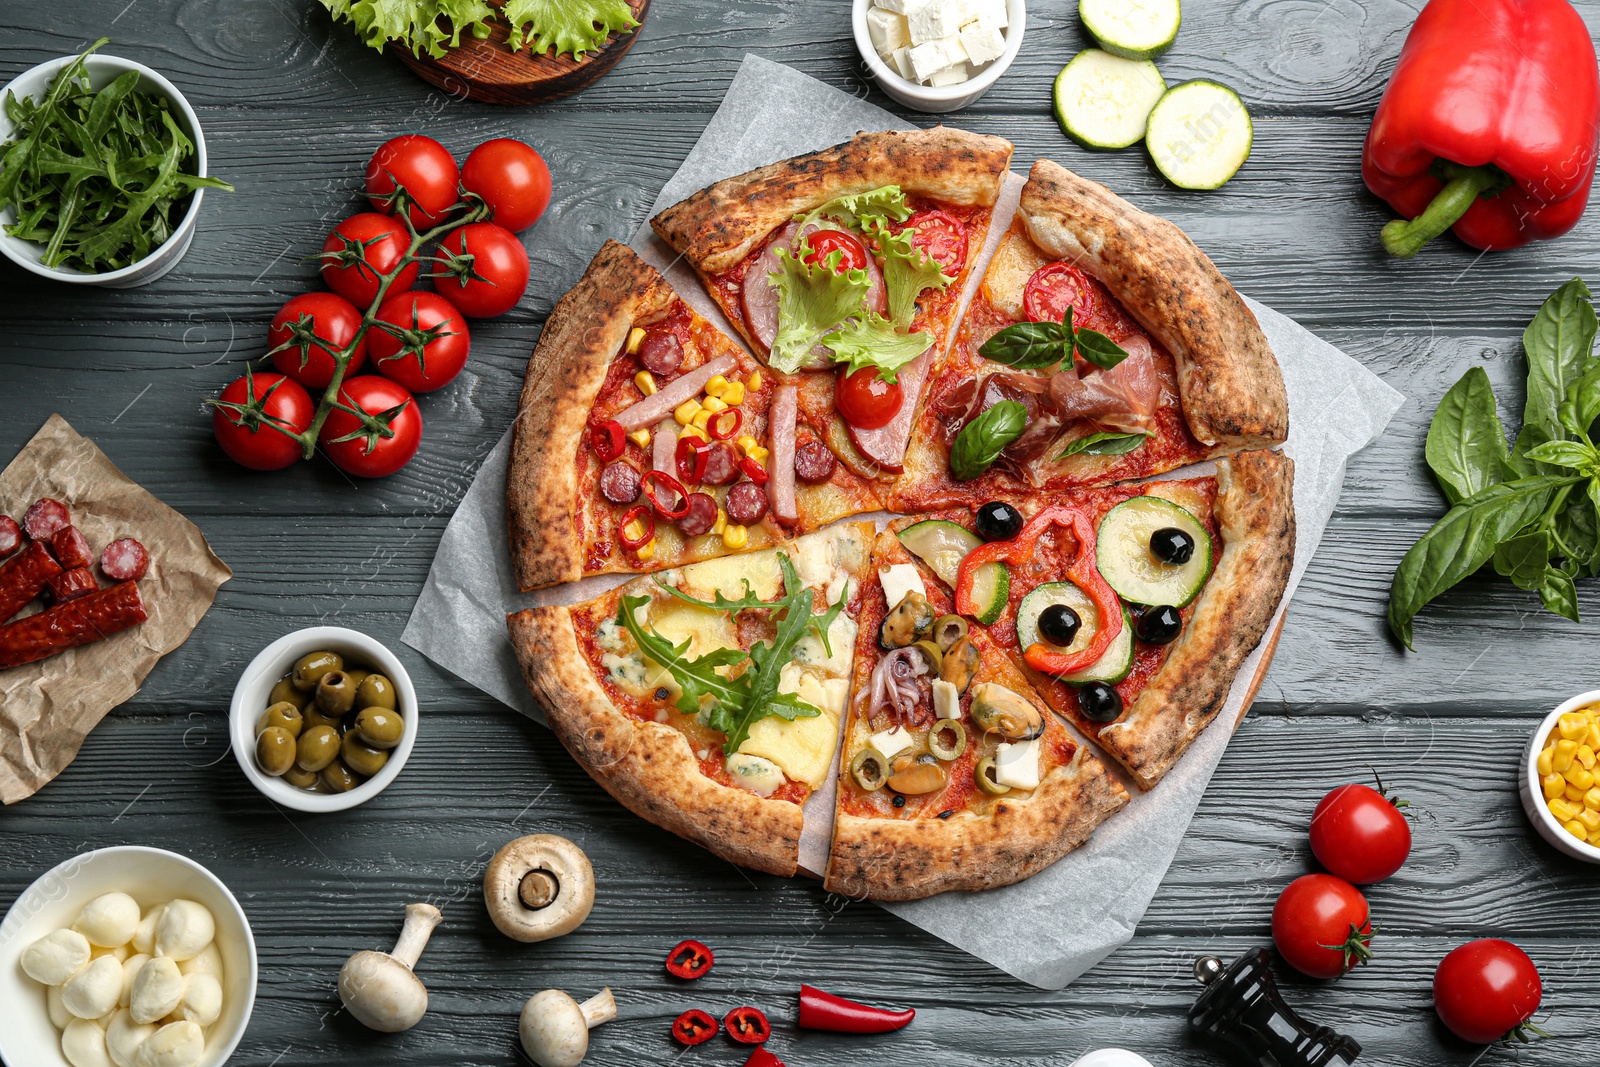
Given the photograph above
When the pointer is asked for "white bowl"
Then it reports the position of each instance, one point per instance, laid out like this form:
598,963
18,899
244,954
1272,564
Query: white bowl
1533,795
102,71
950,97
275,661
151,876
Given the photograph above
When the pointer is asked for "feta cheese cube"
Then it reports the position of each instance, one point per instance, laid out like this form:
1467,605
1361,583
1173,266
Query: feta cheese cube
902,7
946,699
901,62
950,76
991,13
931,57
984,44
936,20
900,579
890,743
888,30
1016,763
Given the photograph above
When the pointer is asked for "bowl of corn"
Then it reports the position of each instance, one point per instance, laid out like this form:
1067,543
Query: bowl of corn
1560,784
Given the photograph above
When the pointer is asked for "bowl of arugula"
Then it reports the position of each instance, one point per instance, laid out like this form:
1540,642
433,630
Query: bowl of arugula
102,169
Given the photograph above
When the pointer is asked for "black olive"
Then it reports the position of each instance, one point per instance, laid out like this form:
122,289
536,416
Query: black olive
1159,625
663,693
998,521
899,801
1059,624
1172,545
1099,702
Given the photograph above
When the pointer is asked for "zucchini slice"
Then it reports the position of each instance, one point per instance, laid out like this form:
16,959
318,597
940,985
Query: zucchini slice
1199,134
1122,552
991,589
1141,30
1115,665
942,545
1103,101
1117,661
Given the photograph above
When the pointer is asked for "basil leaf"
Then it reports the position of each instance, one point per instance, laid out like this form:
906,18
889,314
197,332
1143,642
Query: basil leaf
981,441
1559,595
1031,345
1582,404
1569,454
1099,349
1466,446
1558,343
1577,533
1104,443
1524,559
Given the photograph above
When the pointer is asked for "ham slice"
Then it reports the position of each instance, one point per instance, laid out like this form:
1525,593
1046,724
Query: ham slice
654,408
1123,398
760,297
664,447
781,421
886,446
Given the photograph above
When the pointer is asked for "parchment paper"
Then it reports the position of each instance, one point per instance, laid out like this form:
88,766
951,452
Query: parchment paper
47,708
1059,923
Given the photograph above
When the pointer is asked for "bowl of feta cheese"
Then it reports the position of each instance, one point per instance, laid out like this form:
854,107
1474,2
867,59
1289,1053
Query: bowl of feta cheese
938,55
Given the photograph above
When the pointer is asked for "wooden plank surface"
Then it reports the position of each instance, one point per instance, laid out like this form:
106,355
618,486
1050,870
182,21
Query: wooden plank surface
292,106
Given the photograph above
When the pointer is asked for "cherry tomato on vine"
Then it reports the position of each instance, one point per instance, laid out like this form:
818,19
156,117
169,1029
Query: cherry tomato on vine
380,444
307,331
424,167
1360,835
483,269
382,241
865,400
512,179
1322,925
243,413
853,254
432,347
1486,989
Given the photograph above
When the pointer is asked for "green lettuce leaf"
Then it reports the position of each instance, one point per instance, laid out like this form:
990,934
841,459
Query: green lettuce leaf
882,204
813,301
871,341
908,271
414,24
570,27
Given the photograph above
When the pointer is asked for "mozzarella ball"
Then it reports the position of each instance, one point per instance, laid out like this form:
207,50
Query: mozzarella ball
184,929
174,1045
144,938
202,999
56,956
94,990
83,1043
120,953
109,920
130,971
209,961
156,990
124,1037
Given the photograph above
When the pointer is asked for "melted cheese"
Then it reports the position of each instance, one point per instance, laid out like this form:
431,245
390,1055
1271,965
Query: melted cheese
810,652
898,580
804,747
1013,264
762,777
827,559
729,573
1016,763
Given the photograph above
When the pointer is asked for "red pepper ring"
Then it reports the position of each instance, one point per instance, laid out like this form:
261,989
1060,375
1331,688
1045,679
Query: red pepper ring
647,523
648,484
692,456
689,959
714,426
694,1027
824,1011
606,438
754,471
762,1058
747,1025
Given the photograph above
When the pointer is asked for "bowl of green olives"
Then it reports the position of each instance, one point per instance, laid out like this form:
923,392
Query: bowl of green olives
323,719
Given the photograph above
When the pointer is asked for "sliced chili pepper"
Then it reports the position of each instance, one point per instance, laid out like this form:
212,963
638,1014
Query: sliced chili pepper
762,1058
694,1027
648,484
692,456
754,471
647,522
715,426
607,439
689,959
1083,573
824,1011
747,1025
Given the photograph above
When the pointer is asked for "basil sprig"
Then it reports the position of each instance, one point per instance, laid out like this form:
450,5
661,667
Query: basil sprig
981,441
1104,443
1041,345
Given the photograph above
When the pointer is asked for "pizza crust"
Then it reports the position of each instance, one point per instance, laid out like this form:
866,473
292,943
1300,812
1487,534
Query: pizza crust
1232,389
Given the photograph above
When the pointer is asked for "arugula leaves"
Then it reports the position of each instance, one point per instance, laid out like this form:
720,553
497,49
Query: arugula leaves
1042,345
433,27
981,441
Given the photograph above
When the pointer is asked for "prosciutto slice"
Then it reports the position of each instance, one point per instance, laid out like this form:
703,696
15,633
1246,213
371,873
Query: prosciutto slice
760,296
659,405
1123,398
886,446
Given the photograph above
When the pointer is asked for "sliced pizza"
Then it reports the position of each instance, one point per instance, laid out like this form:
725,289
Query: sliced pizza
848,264
708,699
646,439
953,772
1102,345
1131,607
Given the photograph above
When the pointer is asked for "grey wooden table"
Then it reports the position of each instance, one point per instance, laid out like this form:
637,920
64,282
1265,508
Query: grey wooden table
292,106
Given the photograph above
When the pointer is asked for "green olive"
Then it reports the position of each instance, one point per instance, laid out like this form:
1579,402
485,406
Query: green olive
319,746
301,779
285,715
275,750
948,739
949,629
335,694
360,756
357,676
310,668
984,773
314,717
869,769
338,778
932,653
380,727
375,691
283,691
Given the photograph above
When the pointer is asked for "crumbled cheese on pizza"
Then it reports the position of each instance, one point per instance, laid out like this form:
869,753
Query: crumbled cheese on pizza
1016,764
761,776
946,699
898,580
890,743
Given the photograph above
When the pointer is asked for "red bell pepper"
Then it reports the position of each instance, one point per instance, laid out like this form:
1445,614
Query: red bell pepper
1488,126
824,1011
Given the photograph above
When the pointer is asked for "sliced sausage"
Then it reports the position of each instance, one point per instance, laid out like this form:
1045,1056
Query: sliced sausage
661,352
814,462
619,483
701,517
71,548
44,518
747,503
23,577
10,535
77,622
722,464
124,561
72,584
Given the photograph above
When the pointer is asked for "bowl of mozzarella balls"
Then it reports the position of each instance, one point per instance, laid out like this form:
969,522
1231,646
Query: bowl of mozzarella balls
938,55
125,957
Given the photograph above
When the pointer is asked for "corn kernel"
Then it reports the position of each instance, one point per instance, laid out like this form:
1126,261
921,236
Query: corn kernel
1594,736
1573,794
640,437
697,432
1573,725
1575,828
648,550
1591,799
634,530
1591,820
759,454
733,395
1553,785
755,380
1565,750
745,443
713,404
716,385
646,382
735,536
722,524
685,412
1563,811
1546,755
635,339
702,418
1580,777
1584,756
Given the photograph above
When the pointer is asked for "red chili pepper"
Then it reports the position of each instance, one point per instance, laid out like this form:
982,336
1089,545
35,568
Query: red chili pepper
647,523
754,471
689,959
714,426
824,1011
694,1027
607,439
647,483
692,456
762,1058
747,1025
1083,573
1488,125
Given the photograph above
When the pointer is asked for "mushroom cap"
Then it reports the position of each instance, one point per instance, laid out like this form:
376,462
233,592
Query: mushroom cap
538,887
553,1030
381,992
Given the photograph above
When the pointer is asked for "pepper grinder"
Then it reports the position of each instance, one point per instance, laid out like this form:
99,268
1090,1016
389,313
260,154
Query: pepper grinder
1241,1007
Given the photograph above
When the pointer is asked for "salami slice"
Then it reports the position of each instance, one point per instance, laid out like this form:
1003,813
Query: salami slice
44,518
71,548
619,483
661,353
747,503
701,517
124,561
722,464
72,584
10,535
77,622
814,462
23,577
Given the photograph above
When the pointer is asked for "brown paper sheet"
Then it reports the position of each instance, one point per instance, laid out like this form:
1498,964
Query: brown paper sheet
47,708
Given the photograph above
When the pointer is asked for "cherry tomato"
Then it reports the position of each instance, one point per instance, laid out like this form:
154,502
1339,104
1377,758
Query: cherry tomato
1486,989
853,252
432,348
372,453
1322,925
496,258
942,236
424,167
867,401
385,242
512,179
1360,835
307,331
246,437
1055,287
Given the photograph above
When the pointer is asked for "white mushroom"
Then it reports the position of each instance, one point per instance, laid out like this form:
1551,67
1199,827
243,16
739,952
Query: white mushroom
379,988
555,1028
83,1043
144,938
202,999
181,1044
94,990
209,961
124,1038
109,920
55,957
184,930
130,971
157,989
59,1015
538,887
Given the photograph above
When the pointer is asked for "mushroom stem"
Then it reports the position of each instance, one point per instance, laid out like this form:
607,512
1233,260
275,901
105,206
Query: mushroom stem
421,919
538,889
600,1008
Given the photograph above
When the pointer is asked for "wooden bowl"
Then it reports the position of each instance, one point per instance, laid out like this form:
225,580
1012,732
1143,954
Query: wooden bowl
488,71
